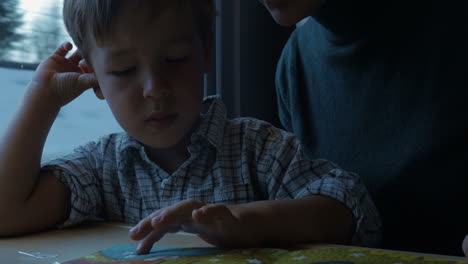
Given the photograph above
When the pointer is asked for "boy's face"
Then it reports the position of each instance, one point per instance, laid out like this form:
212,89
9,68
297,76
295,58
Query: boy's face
151,74
289,12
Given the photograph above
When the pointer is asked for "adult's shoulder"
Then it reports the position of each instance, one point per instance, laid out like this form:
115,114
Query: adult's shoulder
305,35
305,43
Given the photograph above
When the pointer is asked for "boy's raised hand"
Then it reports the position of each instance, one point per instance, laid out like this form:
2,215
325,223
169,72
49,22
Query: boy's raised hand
60,79
214,223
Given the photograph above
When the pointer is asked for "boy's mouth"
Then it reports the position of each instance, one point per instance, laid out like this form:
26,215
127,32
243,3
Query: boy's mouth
161,121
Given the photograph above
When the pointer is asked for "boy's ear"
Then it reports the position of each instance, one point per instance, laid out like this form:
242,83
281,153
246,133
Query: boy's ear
85,68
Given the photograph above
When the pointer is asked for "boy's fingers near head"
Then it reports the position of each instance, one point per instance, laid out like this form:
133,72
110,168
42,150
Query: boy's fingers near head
84,67
87,81
76,58
63,49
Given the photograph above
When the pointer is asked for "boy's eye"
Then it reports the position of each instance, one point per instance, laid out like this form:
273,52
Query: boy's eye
124,72
176,59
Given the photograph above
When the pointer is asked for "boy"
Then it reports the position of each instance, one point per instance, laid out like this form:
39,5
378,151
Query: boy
180,165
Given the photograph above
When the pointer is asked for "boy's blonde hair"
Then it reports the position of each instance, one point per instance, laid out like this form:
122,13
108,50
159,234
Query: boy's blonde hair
88,19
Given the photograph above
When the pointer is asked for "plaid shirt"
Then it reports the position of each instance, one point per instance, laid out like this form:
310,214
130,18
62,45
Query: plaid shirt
231,161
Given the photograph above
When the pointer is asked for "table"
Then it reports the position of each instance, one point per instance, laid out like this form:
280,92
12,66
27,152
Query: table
61,245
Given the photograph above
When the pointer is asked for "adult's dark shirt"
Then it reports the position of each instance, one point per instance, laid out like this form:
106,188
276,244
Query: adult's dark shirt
383,92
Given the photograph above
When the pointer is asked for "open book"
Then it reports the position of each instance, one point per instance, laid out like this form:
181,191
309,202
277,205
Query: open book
125,253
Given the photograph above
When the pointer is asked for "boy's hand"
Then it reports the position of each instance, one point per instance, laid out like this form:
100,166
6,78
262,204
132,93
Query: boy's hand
465,246
60,80
214,223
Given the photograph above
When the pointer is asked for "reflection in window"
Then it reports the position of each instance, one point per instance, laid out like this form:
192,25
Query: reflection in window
31,29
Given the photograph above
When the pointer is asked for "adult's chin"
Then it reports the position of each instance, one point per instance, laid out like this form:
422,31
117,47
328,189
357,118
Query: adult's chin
289,13
284,19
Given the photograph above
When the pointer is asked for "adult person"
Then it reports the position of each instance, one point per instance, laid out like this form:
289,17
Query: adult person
380,88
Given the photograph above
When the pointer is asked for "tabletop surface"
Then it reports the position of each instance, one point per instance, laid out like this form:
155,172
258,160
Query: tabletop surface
62,245
57,246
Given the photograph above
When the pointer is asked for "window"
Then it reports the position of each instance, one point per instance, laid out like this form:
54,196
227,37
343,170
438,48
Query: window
30,30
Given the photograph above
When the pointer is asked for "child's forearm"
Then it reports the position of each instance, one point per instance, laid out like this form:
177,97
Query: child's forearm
21,147
289,222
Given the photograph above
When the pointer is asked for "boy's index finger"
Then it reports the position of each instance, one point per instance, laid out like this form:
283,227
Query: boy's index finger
165,218
84,66
142,228
63,49
75,58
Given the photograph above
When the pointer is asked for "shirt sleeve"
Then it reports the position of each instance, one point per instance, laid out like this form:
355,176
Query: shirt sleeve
287,67
79,172
293,176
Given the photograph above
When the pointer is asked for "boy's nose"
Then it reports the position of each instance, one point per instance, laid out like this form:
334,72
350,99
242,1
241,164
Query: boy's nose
155,88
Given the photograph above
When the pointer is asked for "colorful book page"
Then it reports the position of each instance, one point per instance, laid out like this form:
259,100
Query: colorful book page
125,254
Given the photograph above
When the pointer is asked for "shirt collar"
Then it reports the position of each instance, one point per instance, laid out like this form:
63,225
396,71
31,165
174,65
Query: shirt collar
210,129
128,142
